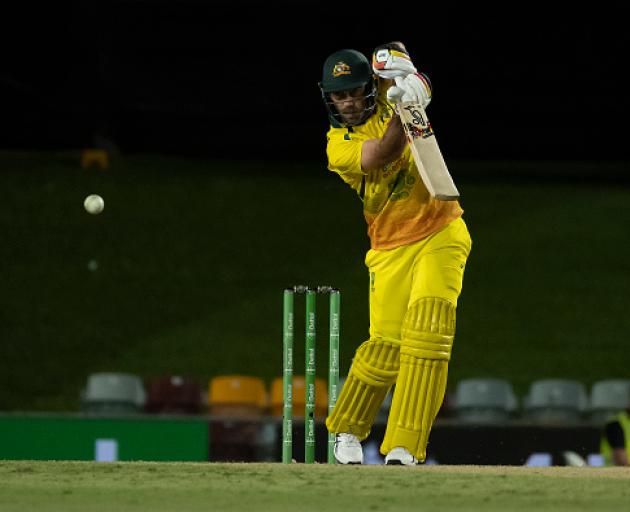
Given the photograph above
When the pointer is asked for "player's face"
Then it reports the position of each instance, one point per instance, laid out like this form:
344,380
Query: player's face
350,104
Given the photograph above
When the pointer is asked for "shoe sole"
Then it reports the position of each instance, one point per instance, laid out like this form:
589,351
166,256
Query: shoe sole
348,463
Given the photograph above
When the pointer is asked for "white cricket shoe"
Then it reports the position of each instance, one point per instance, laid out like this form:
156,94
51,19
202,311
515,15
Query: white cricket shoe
400,457
348,449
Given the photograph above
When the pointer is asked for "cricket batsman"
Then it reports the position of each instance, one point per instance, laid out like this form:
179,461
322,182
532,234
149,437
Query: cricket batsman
418,251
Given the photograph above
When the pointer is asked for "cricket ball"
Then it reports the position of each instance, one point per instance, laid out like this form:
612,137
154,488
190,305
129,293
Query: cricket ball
94,204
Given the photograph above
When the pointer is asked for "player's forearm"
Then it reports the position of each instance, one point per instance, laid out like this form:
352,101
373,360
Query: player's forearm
376,153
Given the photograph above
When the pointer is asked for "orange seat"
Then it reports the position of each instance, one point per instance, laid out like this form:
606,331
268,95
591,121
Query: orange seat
299,397
237,395
94,156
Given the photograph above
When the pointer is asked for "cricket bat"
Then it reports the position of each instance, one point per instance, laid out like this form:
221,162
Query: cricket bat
426,152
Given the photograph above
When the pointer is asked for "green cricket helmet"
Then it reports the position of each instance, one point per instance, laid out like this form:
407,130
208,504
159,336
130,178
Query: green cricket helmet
346,70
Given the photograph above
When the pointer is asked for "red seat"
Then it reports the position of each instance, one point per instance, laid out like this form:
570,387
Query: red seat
173,394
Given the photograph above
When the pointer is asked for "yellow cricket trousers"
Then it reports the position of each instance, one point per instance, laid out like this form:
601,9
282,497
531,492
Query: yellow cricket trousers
413,295
433,267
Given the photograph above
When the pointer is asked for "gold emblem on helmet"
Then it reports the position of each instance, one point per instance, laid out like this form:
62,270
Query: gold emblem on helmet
341,68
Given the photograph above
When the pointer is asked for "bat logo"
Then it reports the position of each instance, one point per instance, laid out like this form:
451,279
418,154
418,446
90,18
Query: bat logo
418,118
419,133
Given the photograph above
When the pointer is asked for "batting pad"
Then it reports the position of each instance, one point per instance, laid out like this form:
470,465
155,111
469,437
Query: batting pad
427,338
373,371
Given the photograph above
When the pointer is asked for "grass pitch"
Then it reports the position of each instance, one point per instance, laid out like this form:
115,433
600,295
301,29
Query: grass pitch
156,487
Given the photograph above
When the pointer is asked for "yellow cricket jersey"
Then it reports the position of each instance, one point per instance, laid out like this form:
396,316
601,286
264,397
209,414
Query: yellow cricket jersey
397,206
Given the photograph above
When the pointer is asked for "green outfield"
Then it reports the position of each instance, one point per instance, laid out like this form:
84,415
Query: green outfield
183,271
161,487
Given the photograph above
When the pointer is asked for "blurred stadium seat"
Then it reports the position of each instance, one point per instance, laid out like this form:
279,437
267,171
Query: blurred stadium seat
556,401
173,394
94,157
447,407
237,395
484,400
113,393
238,403
299,396
609,397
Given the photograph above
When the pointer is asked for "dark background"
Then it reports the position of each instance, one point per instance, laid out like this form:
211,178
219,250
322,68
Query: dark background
225,79
221,196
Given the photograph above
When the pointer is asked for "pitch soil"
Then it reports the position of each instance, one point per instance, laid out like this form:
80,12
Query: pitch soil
160,487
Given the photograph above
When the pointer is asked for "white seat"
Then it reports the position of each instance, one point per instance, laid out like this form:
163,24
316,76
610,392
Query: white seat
113,393
556,401
484,400
609,397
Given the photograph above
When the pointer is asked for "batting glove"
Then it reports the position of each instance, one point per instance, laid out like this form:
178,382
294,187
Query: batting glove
391,63
414,88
